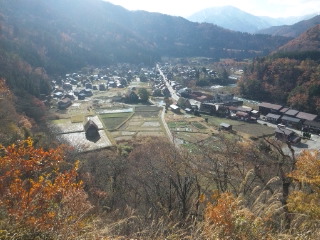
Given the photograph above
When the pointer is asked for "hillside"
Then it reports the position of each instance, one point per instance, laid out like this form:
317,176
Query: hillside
289,76
292,30
289,82
307,41
60,36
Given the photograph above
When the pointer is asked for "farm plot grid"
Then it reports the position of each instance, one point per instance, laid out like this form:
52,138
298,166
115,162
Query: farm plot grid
144,122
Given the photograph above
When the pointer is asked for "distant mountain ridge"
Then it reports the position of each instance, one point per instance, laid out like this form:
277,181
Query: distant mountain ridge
292,30
232,18
60,35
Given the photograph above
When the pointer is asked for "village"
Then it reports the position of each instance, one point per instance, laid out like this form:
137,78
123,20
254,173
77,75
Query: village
100,107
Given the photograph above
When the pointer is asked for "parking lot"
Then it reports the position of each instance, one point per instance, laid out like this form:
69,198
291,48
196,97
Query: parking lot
313,143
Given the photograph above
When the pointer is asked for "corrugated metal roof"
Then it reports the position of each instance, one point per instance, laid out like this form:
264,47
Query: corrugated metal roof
274,116
291,119
270,105
291,112
306,116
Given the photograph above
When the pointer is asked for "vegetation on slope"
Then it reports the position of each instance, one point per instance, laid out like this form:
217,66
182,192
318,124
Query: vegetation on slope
284,81
150,189
307,41
60,36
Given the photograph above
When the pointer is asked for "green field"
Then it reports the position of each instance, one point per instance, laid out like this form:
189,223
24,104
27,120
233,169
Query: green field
178,124
113,120
252,129
147,111
216,121
198,125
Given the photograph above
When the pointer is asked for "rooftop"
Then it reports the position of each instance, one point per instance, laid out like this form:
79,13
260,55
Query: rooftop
306,116
270,105
271,115
291,112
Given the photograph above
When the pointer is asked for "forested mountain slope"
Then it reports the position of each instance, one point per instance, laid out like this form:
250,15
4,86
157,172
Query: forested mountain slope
61,35
307,41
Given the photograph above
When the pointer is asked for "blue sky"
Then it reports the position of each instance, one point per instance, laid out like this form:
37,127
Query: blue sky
184,8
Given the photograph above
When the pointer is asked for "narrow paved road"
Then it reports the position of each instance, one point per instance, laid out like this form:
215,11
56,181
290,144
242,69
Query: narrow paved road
174,95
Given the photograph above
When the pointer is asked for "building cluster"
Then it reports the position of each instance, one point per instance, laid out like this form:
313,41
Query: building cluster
82,85
279,114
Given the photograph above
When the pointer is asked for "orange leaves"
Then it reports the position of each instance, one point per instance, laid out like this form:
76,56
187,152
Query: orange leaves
32,186
221,213
307,172
307,168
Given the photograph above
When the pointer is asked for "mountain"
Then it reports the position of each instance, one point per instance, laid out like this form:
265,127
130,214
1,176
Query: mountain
289,76
58,36
292,30
235,19
307,41
230,18
287,20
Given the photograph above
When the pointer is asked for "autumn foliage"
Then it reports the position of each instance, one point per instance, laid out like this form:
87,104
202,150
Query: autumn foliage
285,81
221,212
39,190
306,201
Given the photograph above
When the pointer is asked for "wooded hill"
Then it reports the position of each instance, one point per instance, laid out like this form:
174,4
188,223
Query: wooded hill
290,76
60,35
307,41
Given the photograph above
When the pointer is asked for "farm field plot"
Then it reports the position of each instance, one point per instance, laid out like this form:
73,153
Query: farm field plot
251,129
147,111
255,130
144,122
216,121
114,120
62,126
189,131
190,137
187,126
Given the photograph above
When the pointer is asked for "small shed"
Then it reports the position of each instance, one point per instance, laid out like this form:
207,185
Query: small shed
242,115
58,94
88,85
81,96
91,129
88,92
255,113
225,126
175,108
273,118
102,87
64,103
188,110
286,135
